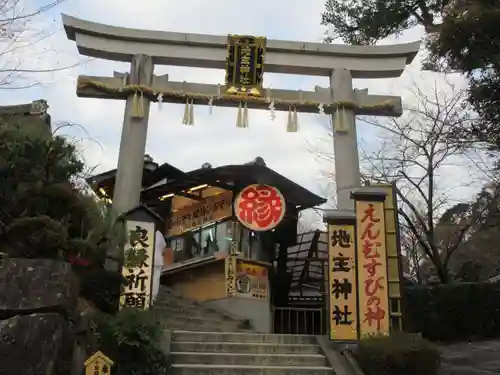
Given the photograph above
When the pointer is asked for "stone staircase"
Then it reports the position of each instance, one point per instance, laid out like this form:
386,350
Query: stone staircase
178,313
205,341
238,353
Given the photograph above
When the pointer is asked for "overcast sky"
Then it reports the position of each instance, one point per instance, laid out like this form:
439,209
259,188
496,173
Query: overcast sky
214,138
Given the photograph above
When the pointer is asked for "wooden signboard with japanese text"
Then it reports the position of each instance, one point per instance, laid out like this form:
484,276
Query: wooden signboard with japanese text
244,65
342,282
372,268
394,275
138,264
230,270
251,280
207,211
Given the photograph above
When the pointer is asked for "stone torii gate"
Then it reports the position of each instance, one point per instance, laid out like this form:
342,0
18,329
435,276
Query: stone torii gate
145,48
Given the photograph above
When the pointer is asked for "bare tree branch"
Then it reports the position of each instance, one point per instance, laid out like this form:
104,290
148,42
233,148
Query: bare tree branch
414,152
25,43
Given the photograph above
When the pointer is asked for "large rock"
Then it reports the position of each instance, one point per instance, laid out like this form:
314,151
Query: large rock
36,344
37,285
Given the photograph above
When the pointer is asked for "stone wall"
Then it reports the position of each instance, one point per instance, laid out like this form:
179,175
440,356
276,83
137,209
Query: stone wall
40,319
32,117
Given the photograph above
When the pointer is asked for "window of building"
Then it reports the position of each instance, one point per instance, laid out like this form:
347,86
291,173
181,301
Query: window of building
211,239
208,244
177,244
250,244
224,236
202,242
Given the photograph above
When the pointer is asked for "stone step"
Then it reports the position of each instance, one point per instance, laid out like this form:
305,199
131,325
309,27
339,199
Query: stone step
198,320
181,335
206,328
175,302
249,359
199,324
243,347
178,304
193,311
178,369
170,296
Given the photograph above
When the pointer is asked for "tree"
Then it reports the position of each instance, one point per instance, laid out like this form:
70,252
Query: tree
469,41
368,21
413,151
24,43
479,256
44,214
411,250
461,36
416,153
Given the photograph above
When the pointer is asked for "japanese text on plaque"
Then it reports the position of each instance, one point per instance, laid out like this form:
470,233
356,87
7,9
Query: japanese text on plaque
230,266
138,267
372,274
245,62
342,280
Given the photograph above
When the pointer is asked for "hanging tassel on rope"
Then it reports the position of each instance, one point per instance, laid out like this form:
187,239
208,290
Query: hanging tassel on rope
191,113
337,126
292,124
289,121
239,123
210,105
185,119
344,120
135,109
160,101
245,115
339,121
268,95
321,109
295,119
272,112
138,105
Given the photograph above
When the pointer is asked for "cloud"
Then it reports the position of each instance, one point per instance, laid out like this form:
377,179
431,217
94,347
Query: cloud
214,138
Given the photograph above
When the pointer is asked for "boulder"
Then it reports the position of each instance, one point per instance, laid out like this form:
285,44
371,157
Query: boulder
36,344
37,285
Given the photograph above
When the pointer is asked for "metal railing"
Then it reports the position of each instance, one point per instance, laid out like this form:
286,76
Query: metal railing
299,321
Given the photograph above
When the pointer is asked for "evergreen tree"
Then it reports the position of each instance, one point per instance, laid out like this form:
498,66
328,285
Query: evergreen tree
44,213
462,35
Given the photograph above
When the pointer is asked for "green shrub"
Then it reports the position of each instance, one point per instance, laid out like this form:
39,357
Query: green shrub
99,286
398,354
132,339
453,312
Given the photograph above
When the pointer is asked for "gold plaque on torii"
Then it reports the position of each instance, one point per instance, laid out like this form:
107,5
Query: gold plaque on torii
245,65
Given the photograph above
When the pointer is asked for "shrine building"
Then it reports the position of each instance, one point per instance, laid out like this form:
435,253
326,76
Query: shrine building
262,269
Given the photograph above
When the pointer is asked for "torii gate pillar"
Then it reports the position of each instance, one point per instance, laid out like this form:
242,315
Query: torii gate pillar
128,181
345,143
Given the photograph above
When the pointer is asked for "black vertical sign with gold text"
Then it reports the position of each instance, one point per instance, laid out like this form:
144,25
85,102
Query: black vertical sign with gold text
245,65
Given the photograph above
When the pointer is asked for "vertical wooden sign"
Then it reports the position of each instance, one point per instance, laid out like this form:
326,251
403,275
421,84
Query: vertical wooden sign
342,283
394,272
138,266
372,263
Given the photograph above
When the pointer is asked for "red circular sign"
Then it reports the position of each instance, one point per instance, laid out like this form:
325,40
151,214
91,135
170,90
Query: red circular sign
260,207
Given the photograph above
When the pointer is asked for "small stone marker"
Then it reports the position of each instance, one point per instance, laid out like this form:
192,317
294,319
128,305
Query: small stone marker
98,364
